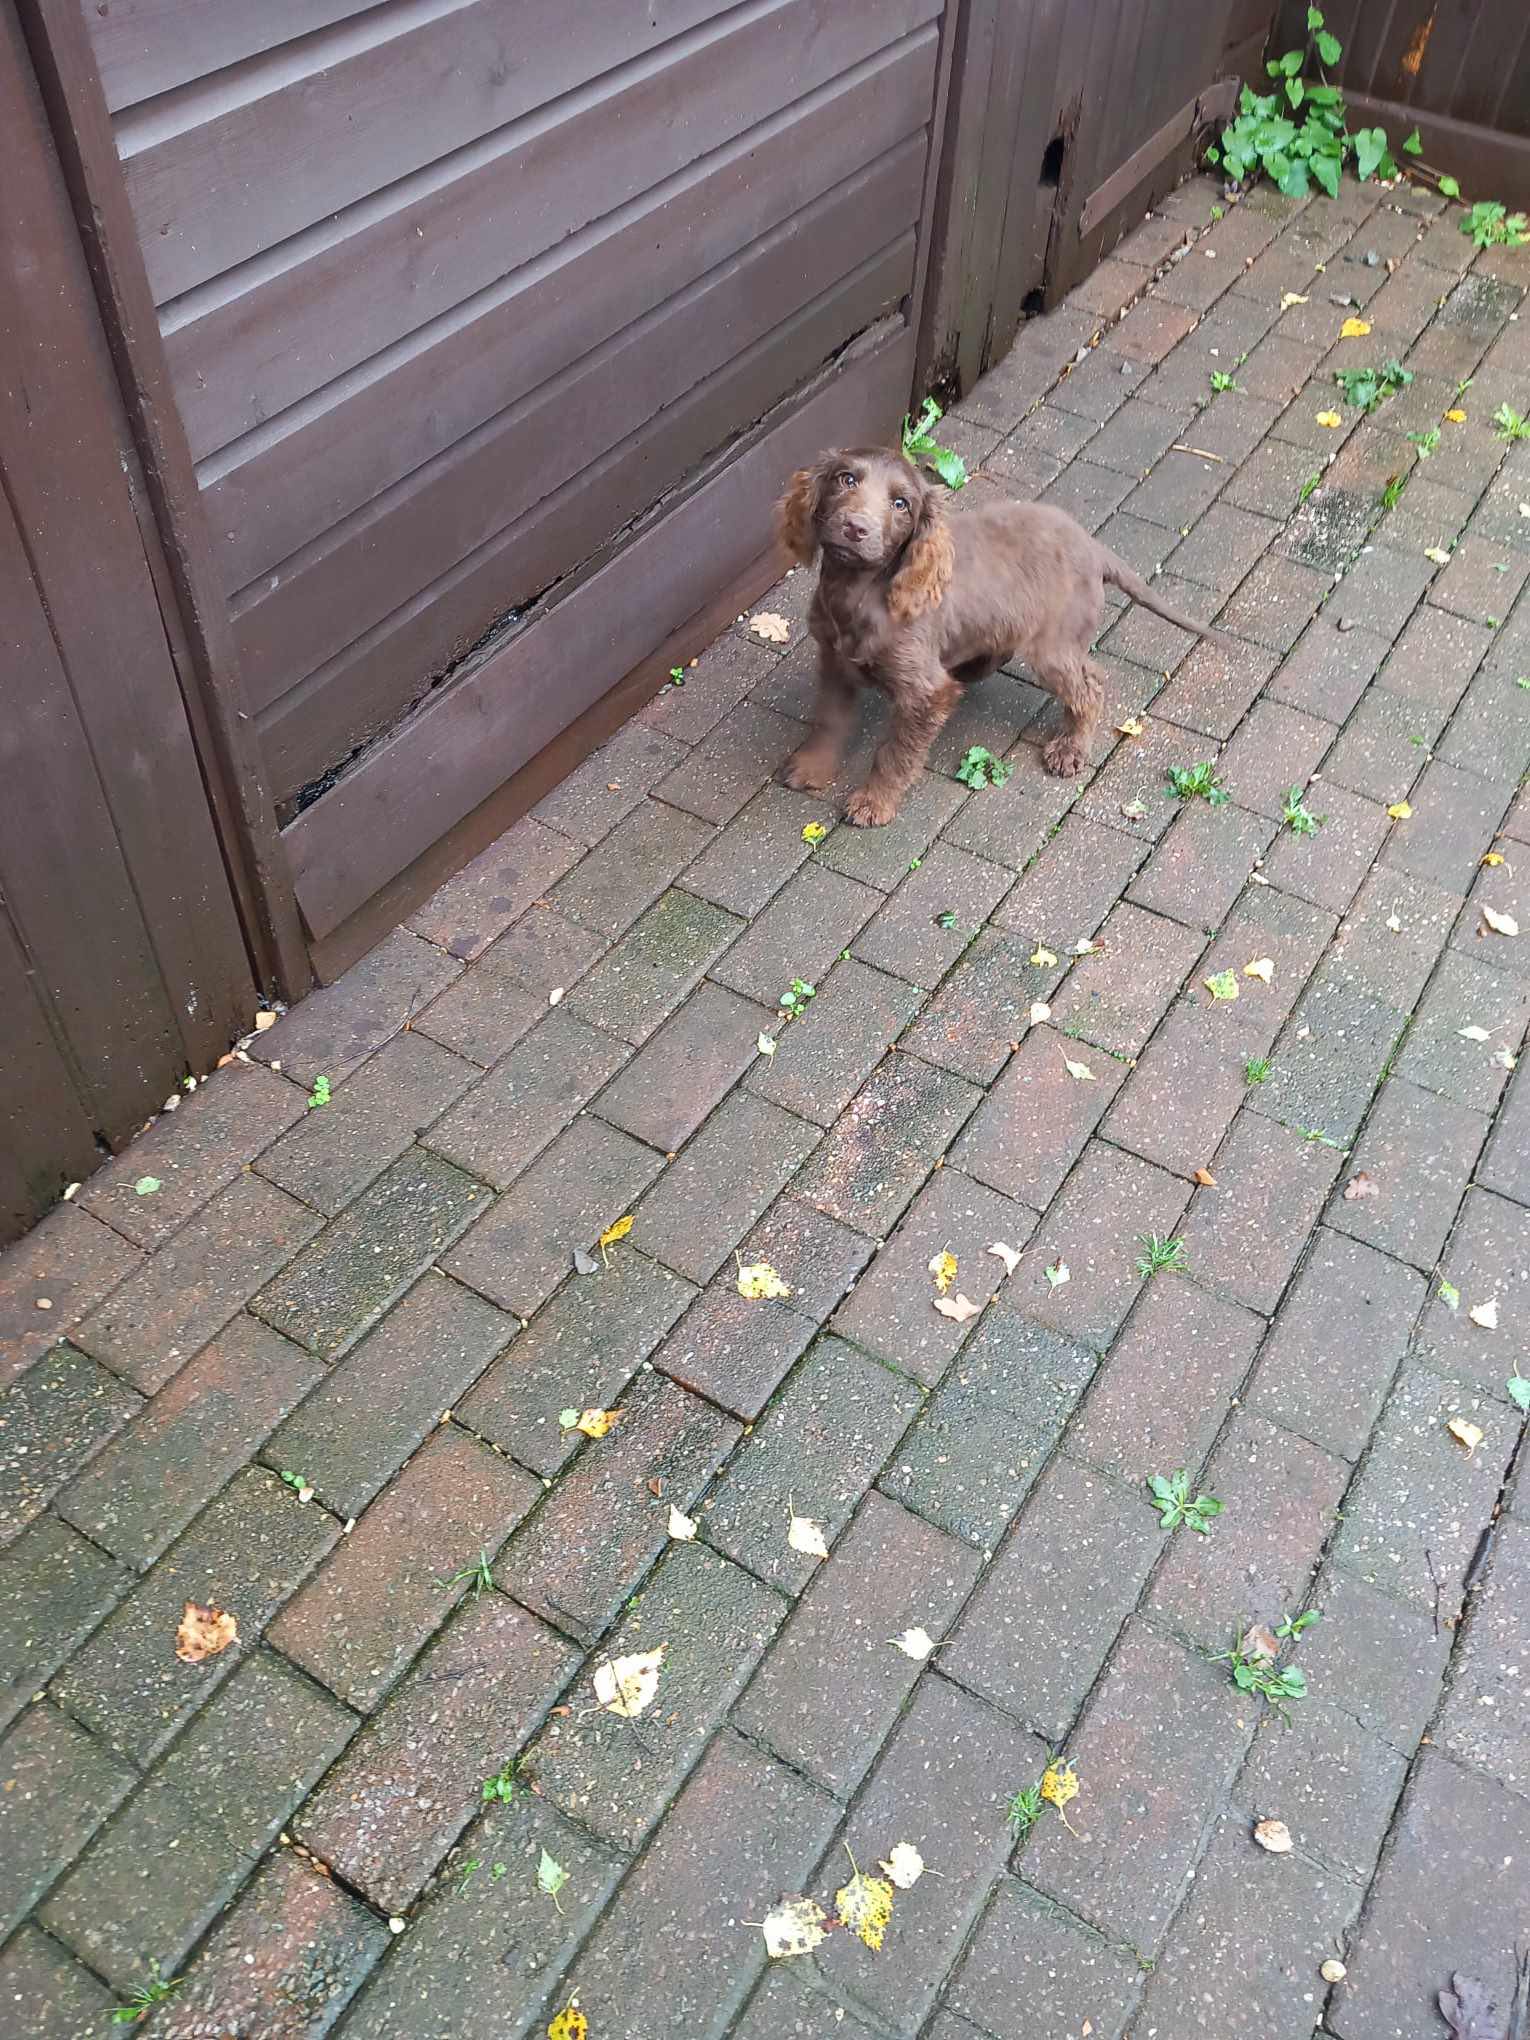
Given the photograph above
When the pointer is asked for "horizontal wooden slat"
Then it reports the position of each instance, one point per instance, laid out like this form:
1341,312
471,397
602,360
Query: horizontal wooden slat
235,164
279,488
394,804
144,47
365,690
418,531
245,348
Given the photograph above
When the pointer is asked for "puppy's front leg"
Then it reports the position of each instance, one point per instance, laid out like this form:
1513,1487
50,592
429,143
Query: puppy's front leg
814,765
921,703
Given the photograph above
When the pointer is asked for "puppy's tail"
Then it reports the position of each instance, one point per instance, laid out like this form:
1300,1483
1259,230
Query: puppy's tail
1119,575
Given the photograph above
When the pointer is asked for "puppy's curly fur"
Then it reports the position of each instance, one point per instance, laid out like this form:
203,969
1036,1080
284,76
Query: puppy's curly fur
918,607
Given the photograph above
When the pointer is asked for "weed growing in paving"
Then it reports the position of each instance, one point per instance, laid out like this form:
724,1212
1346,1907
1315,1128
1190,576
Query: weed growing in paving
1258,1070
980,768
143,2000
1368,387
1318,1136
1426,442
1391,495
479,1575
1023,1811
1254,1671
319,1095
795,1000
1490,225
1291,1626
1196,782
1221,381
1176,1506
1312,482
503,1786
1297,816
923,449
1509,424
1160,1256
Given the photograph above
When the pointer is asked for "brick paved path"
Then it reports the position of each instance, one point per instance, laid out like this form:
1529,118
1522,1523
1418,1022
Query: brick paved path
377,1296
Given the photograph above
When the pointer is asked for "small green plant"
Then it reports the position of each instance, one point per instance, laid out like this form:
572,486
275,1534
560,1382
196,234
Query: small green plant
1221,381
497,1870
1391,495
1509,424
1196,782
1290,1627
143,2000
677,676
479,1575
1312,482
1426,442
1176,1506
1258,1070
1318,1136
1366,388
1297,816
1490,225
468,1870
1519,1390
922,448
946,919
300,1483
1254,1671
980,768
1216,213
797,997
1023,1811
503,1787
319,1095
1160,1256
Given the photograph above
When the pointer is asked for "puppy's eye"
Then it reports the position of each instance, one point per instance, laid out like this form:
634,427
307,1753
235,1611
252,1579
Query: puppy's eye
846,479
900,502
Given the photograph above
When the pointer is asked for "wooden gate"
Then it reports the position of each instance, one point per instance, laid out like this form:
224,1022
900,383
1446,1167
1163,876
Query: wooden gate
121,959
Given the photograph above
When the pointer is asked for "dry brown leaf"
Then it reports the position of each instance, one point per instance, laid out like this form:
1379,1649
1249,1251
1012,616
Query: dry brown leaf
804,1535
1501,924
1263,968
1467,1434
794,1926
958,1307
1484,1314
1205,1178
1275,1836
204,1633
943,1268
775,630
1258,1641
904,1865
1009,1255
626,1685
1361,1184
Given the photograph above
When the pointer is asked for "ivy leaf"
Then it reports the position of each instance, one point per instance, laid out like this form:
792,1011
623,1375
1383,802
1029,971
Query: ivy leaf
1413,146
1449,188
1329,50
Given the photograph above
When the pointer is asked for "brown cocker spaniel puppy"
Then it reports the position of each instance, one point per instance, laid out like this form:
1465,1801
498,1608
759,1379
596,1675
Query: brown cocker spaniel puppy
919,607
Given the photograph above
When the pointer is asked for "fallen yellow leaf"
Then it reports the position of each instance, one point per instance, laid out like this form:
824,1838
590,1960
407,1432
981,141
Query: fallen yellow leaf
1221,984
1469,1435
1059,1786
626,1685
804,1535
204,1633
1501,924
1438,554
1263,968
814,832
1400,810
593,1423
1492,857
1043,956
794,1926
958,1307
1205,1178
759,1280
1456,417
616,1232
1130,728
570,2024
943,1268
1291,297
1354,329
865,1906
1331,419
904,1865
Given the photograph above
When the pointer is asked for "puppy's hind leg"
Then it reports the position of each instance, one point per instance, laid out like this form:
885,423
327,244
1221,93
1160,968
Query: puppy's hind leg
1078,684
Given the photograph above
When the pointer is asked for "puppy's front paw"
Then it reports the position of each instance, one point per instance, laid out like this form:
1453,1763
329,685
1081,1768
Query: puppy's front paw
871,810
810,771
1065,756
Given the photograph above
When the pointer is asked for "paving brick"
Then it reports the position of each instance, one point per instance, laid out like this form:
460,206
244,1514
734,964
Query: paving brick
717,778
1244,1234
54,1589
247,1552
611,782
758,851
1093,1228
501,1126
284,1963
1505,1167
1434,658
159,1317
714,682
395,1580
485,1013
1276,368
1072,886
490,1919
983,1007
1000,1145
1088,493
1275,602
1097,388
147,1891
941,1783
715,1622
824,1256
822,1059
1138,435
383,1400
982,1438
373,1118
1271,480
57,1417
1418,1492
1031,1960
807,924
148,1484
636,985
733,1349
579,1351
1413,1161
1202,864
339,1026
48,1995
627,871
702,1207
1484,1722
1328,868
1481,581
1281,1496
1131,793
817,1449
695,1886
1212,689
1328,671
70,1261
519,1249
788,2007
1335,521
1115,1000
1394,963
1429,514
1384,747
466,914
1379,591
952,1214
1436,1056
1150,329
1182,1096
1333,1783
1455,1870
193,1152
1160,1741
1485,1260
60,1784
1332,1352
908,938
604,1524
884,1144
1161,1394
1490,727
386,1815
1209,1976
672,1084
1454,819
367,1257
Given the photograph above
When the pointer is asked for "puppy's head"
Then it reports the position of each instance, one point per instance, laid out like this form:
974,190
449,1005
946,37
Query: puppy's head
861,505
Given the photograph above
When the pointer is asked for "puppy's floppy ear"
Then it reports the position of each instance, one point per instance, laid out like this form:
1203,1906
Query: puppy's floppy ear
796,510
928,560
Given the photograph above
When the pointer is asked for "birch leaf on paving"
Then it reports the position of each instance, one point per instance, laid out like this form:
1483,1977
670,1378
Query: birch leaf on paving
616,1232
1289,298
1058,1274
1485,1314
551,1878
813,832
1043,956
865,1906
943,1268
1007,1254
1361,1184
1456,417
146,1186
1130,728
1474,1034
1221,984
593,1423
904,1865
1059,1787
1501,924
804,1535
681,1526
1040,1011
1491,858
794,1926
758,1280
1354,329
627,1685
570,2024
1275,1837
1331,419
1079,1072
1466,1434
1449,1295
914,1643
1400,810
1263,968
766,1044
958,1307
775,630
1438,554
204,1633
